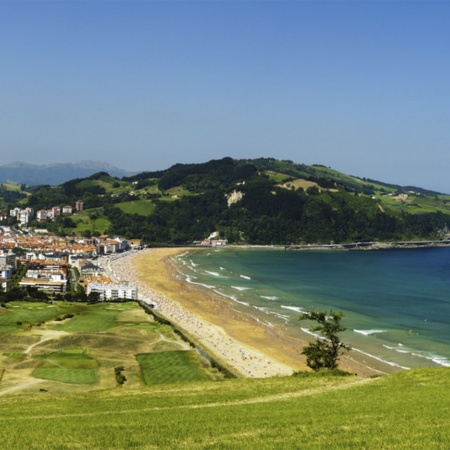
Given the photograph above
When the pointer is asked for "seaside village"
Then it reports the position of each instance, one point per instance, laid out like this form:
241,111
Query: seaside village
38,261
35,260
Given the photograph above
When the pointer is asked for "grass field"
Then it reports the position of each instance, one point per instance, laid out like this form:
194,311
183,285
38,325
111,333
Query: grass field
42,348
406,410
175,366
141,207
84,222
68,366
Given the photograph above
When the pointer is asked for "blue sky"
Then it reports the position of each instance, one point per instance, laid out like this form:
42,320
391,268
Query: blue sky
361,86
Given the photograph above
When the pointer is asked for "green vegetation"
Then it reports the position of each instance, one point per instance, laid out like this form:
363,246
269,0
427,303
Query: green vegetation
67,366
171,367
91,222
140,207
406,410
325,351
17,314
93,318
77,347
282,203
11,195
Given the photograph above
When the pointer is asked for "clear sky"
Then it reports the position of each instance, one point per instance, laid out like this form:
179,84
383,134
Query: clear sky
361,86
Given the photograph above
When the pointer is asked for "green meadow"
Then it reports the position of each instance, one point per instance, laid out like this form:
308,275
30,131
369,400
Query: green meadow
406,410
140,207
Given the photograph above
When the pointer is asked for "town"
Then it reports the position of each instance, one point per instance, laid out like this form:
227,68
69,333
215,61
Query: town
35,264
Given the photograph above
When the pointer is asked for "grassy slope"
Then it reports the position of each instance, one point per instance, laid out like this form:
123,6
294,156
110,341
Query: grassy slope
413,204
84,222
140,207
405,410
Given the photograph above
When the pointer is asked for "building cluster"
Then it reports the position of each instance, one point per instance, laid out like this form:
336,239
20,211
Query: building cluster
213,240
47,276
23,216
49,258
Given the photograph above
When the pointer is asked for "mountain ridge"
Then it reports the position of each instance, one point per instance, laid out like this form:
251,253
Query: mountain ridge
53,174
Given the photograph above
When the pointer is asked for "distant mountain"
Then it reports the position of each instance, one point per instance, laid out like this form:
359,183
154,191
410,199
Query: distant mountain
55,174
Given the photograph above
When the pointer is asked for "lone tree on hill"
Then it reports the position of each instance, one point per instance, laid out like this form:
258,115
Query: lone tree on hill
325,351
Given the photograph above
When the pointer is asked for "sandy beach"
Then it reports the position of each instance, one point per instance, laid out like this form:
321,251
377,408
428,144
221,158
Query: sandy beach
238,341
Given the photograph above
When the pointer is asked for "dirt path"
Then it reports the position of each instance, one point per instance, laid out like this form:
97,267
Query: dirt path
47,335
182,344
20,386
28,350
247,401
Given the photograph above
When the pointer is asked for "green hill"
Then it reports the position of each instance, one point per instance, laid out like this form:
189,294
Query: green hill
258,201
406,410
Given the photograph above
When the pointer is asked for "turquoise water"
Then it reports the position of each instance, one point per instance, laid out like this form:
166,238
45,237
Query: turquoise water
396,302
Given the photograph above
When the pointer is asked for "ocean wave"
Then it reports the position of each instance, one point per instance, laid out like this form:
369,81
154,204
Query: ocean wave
380,359
208,286
437,359
369,332
307,331
245,277
282,316
263,309
294,308
240,288
214,274
231,298
440,360
268,297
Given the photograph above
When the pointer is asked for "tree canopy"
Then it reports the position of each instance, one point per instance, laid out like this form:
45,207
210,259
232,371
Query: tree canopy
325,351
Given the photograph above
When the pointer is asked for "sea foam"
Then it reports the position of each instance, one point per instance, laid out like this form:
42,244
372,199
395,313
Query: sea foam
294,308
268,297
369,332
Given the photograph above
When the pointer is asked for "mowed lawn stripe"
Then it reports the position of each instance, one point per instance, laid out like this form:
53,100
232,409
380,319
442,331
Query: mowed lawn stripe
73,367
94,319
171,367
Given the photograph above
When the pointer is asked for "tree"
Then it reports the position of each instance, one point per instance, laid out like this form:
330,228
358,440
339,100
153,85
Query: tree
325,351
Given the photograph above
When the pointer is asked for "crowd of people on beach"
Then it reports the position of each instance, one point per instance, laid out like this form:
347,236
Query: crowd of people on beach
245,360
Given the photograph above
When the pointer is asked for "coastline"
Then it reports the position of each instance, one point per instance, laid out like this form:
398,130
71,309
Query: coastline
237,341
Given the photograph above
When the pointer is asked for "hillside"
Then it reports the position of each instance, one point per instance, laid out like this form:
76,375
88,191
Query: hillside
406,410
260,201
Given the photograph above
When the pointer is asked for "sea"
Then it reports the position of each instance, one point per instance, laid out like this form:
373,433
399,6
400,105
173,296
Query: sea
396,302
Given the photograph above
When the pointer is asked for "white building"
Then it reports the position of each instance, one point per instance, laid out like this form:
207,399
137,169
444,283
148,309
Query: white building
113,291
22,215
67,210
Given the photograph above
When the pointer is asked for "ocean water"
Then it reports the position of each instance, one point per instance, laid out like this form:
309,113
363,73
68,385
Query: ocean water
396,302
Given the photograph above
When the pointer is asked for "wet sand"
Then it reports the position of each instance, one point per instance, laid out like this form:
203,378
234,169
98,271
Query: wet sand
238,341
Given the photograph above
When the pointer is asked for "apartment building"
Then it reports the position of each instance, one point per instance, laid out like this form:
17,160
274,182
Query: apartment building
113,291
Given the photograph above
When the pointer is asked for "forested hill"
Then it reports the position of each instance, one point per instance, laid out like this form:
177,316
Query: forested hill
259,201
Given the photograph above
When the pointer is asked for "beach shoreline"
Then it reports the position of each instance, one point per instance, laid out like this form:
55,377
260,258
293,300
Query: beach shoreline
238,341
